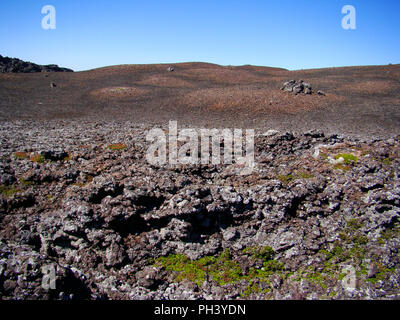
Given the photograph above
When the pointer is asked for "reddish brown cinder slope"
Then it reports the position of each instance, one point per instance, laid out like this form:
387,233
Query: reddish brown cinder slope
358,99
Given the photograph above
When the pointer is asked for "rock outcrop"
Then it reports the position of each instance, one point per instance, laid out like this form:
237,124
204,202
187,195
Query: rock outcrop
299,87
14,65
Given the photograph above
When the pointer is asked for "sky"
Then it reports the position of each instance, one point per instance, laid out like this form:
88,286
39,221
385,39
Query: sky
292,34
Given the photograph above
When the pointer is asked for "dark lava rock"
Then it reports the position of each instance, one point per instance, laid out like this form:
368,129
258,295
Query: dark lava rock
115,227
299,87
14,65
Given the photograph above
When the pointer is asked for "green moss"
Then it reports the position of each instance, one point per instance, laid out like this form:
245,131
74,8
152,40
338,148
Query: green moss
387,162
353,238
253,288
272,266
351,249
381,241
342,275
354,224
8,191
387,235
338,253
225,270
382,275
330,273
222,269
67,158
344,236
26,183
260,253
348,158
319,278
360,239
295,176
363,270
286,179
183,267
305,175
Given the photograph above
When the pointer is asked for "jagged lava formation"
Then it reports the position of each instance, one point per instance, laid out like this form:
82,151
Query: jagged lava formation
317,219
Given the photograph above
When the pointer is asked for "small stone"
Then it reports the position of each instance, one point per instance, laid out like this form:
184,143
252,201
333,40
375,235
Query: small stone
372,270
271,133
230,234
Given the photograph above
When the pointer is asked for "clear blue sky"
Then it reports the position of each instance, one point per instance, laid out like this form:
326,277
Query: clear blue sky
293,34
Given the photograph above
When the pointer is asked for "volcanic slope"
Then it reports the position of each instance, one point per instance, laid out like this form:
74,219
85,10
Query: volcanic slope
359,100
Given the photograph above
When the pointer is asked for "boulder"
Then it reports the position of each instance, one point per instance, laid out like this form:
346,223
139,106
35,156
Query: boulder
299,87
